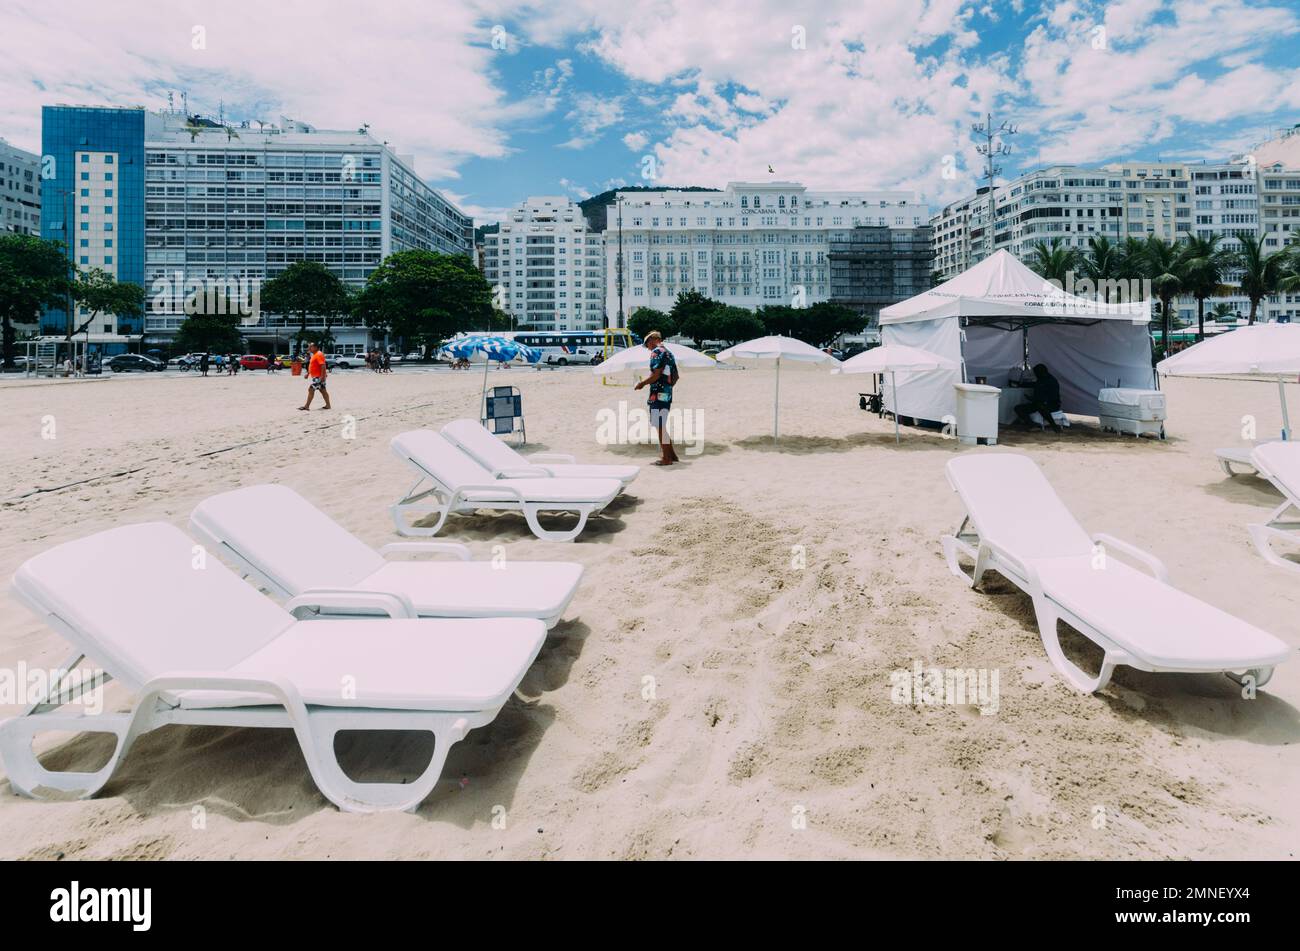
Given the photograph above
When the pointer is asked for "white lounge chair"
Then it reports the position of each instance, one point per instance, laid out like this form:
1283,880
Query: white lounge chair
459,484
1239,456
292,548
1279,463
1018,526
504,462
199,647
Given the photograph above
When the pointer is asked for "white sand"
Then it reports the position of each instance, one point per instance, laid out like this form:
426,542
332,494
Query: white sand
772,684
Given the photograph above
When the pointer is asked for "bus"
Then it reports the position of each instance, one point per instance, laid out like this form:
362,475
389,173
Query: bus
582,347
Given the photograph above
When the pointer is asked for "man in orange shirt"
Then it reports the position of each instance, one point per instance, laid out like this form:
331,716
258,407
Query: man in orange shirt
316,377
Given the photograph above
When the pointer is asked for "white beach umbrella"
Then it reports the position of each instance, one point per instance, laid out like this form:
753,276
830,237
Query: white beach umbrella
895,358
638,358
776,348
1256,350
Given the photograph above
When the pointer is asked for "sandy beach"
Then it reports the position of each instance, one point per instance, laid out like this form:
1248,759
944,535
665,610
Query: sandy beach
720,686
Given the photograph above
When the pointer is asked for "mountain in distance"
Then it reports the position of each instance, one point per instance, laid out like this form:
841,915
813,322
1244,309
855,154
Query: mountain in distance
595,206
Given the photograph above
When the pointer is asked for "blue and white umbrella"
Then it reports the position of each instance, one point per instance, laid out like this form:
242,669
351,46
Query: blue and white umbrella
493,348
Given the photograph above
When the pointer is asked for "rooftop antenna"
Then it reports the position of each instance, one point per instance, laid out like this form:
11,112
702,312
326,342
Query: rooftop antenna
171,103
185,103
991,148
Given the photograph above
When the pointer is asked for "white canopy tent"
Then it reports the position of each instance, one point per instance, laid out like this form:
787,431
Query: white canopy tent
999,316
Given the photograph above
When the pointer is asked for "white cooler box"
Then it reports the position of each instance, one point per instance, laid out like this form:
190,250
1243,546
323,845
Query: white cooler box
1127,410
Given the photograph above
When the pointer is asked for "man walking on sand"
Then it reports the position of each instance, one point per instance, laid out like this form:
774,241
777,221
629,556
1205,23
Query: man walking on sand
662,379
316,373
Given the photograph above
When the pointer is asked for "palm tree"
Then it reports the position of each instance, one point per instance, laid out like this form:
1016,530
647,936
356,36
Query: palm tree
1054,261
1260,272
1204,264
1102,264
1289,280
1222,311
1166,270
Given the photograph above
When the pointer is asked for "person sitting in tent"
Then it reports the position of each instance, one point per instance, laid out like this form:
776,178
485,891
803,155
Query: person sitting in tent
1044,399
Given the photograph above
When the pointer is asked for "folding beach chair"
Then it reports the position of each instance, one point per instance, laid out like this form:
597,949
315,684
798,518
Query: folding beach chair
246,527
502,461
137,599
459,484
1279,463
1016,525
503,412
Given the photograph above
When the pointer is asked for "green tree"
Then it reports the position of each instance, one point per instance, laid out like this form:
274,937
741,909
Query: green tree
34,274
734,324
1054,261
1223,311
101,293
426,296
1168,275
694,316
1260,271
210,333
1102,264
818,325
1204,264
307,287
645,319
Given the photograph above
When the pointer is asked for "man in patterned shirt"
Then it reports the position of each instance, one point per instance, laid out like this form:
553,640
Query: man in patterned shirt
662,378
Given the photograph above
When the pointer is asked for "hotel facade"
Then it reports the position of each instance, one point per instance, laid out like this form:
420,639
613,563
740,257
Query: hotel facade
180,201
750,245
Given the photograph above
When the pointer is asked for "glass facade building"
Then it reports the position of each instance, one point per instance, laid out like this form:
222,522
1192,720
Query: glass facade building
92,200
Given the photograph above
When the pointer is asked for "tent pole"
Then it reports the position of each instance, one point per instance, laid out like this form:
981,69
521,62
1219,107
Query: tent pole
483,396
776,403
1286,419
893,378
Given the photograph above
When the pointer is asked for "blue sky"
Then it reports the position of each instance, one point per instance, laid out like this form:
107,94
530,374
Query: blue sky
500,100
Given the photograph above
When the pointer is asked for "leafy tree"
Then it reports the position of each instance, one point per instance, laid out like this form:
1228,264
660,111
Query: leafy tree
734,324
1102,264
1260,271
1054,261
34,274
645,319
694,316
818,325
307,287
426,296
1223,311
100,292
210,333
1204,264
1166,268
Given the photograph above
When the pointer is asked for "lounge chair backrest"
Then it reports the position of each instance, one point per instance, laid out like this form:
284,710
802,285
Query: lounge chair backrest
1279,462
286,538
436,455
143,600
1013,505
484,447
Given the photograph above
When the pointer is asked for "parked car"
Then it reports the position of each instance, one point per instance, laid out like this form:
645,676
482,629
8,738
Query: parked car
336,361
126,362
254,361
413,355
577,356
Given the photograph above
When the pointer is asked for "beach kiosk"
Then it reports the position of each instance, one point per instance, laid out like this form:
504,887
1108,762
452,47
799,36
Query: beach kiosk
998,318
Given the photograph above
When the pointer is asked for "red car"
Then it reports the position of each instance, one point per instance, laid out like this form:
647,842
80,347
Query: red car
254,361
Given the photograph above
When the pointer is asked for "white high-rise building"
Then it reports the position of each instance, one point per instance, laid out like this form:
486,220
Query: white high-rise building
546,266
20,191
749,245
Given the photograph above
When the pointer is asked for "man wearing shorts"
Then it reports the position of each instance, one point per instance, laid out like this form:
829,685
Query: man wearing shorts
316,377
662,378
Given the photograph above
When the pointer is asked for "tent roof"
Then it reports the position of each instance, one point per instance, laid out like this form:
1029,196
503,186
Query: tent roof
1001,286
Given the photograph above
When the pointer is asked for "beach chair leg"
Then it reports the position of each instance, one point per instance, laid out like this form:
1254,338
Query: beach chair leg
403,525
352,796
1260,675
531,512
1264,534
1047,629
29,778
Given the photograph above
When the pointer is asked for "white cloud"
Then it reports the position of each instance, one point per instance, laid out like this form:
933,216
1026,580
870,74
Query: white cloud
636,141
